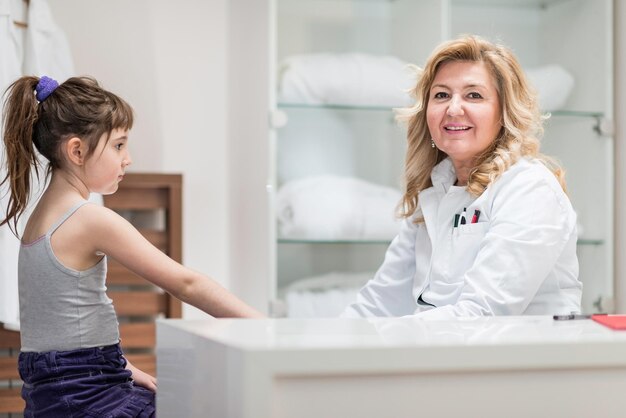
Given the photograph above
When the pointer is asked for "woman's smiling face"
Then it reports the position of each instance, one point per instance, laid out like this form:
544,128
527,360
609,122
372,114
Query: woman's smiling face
464,114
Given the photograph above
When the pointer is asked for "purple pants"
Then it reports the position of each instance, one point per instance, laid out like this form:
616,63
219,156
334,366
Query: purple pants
89,382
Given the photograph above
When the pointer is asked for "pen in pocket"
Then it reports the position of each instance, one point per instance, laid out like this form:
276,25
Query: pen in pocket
476,216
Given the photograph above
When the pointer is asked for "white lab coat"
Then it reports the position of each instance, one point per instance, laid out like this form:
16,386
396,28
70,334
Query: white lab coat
519,258
47,51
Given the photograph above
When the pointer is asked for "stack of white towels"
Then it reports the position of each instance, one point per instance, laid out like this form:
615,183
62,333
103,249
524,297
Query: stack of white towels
345,79
333,208
369,80
324,296
337,208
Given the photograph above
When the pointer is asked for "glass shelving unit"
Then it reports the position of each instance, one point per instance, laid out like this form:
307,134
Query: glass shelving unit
563,32
563,113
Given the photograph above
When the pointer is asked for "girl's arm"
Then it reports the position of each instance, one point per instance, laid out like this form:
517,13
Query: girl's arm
117,238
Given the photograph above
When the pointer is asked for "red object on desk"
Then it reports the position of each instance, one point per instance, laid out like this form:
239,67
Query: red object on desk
611,321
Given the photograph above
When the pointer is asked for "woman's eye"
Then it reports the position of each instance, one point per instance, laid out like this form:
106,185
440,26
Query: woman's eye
474,95
440,95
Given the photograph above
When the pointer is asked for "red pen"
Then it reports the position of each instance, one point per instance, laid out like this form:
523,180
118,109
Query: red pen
476,216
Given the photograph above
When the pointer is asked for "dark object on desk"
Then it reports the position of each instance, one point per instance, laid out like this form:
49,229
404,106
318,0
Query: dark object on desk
570,317
617,322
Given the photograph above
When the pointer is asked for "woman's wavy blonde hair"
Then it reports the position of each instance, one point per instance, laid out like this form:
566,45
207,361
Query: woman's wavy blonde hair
522,122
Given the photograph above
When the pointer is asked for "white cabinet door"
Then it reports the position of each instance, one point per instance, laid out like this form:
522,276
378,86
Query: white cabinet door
576,36
340,131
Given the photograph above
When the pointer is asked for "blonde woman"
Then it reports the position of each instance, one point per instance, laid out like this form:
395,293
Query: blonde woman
488,229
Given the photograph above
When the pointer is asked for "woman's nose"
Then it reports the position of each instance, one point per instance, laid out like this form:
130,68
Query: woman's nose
455,107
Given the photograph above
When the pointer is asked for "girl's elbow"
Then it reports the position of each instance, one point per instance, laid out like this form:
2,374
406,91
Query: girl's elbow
183,288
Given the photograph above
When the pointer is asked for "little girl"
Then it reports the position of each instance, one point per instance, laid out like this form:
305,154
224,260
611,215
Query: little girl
70,359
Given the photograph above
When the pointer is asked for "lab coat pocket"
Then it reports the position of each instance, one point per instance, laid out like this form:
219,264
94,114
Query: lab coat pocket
466,242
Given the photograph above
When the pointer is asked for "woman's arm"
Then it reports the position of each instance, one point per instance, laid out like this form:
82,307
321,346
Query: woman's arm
117,238
390,292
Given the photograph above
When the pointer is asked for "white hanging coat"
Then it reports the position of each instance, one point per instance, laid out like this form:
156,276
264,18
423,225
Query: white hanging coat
519,258
45,51
10,70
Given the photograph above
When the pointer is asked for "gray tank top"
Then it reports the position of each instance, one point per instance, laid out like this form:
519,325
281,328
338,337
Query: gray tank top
62,309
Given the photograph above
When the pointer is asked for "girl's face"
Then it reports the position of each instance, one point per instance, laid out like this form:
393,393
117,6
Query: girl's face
463,114
106,166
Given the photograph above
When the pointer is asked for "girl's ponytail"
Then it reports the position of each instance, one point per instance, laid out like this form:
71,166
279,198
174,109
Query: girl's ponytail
19,116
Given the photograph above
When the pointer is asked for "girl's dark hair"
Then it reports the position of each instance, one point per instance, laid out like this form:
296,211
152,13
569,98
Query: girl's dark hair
77,108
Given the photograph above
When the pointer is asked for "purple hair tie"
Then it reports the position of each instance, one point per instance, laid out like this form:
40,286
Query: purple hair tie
45,87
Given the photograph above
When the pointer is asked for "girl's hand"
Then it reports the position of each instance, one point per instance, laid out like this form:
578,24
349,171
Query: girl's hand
141,378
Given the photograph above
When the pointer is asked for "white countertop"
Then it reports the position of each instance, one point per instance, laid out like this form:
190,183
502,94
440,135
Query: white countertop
275,368
563,343
407,331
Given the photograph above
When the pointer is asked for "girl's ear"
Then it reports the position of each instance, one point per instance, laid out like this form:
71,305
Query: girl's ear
76,150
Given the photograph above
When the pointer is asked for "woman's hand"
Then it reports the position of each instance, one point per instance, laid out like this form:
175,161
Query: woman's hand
141,378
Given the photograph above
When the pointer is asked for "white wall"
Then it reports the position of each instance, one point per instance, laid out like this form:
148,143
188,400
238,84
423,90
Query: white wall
250,61
168,60
620,155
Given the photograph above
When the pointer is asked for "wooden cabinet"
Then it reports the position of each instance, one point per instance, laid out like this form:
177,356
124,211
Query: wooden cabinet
10,383
576,35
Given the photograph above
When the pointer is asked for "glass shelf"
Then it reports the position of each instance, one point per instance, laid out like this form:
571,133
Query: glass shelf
483,3
587,241
539,4
581,241
334,107
576,113
333,242
554,113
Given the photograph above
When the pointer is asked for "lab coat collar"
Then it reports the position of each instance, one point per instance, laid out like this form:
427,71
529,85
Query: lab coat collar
443,175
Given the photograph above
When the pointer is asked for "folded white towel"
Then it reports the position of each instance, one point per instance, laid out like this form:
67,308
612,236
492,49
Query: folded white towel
345,79
337,208
370,80
323,296
553,84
